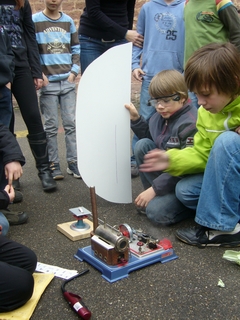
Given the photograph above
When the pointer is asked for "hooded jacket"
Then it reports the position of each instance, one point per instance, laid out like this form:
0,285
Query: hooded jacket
210,126
175,132
163,29
210,21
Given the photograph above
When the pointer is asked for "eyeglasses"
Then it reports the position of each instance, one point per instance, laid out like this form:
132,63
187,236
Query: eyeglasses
163,100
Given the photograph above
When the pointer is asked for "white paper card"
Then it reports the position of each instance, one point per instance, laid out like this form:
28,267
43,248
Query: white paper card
103,125
57,271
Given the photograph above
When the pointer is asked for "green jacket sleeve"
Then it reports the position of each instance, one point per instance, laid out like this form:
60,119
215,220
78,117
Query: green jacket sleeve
191,160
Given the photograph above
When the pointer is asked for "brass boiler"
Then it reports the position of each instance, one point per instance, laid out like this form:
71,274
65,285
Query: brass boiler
113,237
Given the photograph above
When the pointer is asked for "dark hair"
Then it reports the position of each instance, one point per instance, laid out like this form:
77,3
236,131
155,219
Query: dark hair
216,65
19,4
168,82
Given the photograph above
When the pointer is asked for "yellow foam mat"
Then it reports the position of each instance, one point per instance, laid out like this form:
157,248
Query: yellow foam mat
41,281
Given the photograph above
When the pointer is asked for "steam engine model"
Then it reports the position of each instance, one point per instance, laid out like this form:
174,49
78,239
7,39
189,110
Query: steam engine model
113,245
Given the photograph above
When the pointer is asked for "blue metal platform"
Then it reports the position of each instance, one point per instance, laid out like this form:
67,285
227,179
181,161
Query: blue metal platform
115,273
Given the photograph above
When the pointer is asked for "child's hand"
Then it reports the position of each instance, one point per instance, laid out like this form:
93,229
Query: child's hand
45,80
10,191
138,74
145,197
155,160
71,78
237,130
134,115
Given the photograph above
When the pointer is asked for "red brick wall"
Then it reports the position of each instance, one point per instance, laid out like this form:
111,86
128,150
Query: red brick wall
74,8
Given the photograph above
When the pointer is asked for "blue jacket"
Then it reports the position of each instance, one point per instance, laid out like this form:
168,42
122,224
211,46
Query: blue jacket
163,29
174,133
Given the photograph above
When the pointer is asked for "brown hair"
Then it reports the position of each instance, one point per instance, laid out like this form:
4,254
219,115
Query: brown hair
168,82
216,65
19,4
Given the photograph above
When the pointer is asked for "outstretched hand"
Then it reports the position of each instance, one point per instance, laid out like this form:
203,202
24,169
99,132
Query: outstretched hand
13,171
155,160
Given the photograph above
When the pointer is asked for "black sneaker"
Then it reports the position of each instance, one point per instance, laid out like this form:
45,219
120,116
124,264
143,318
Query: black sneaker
55,171
204,237
141,210
15,217
18,197
16,184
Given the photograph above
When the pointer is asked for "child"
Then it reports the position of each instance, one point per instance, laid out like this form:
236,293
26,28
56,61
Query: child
209,21
17,263
172,126
161,23
212,165
59,53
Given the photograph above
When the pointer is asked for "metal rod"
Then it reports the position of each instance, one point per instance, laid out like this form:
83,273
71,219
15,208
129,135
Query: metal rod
94,208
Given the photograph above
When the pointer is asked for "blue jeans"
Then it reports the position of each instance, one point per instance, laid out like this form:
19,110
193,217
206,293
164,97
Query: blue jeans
144,110
92,48
4,224
61,93
216,194
166,209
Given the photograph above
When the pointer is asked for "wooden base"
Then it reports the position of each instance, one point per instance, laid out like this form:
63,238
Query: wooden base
73,235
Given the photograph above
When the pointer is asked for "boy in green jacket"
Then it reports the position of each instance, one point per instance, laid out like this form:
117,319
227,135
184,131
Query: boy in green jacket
212,165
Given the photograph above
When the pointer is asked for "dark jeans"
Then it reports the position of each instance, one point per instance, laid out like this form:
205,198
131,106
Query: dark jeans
17,263
92,48
24,91
6,111
5,106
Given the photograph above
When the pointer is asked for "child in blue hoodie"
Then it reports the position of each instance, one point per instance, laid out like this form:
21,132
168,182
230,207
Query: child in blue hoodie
161,23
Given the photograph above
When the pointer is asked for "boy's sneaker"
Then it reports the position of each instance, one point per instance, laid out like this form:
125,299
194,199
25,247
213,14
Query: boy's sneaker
141,210
16,184
204,237
134,170
55,171
15,217
73,169
18,197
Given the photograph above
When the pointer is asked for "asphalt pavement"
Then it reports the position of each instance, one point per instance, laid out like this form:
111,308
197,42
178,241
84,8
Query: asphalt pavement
185,288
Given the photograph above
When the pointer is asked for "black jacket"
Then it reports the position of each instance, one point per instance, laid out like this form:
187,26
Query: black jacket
107,19
21,31
9,151
6,59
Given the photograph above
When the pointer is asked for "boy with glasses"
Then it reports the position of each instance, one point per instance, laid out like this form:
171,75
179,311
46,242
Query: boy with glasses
161,24
172,126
